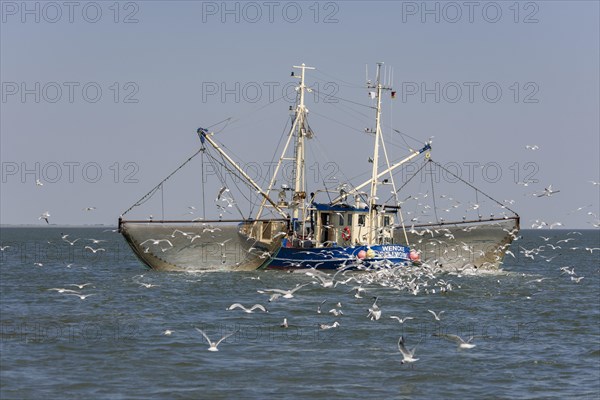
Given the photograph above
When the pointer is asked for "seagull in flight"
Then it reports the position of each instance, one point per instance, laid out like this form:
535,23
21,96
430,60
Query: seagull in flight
157,241
63,290
532,147
436,316
45,215
71,243
214,345
407,355
400,319
221,191
247,310
81,296
80,286
548,192
374,311
94,250
287,294
462,344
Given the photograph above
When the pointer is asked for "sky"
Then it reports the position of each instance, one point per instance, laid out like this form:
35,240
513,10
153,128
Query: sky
101,100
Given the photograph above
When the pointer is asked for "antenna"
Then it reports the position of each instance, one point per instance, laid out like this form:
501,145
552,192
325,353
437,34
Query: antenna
367,73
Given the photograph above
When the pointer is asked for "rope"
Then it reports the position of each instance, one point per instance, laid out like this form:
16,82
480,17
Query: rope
412,177
203,191
434,204
474,188
148,195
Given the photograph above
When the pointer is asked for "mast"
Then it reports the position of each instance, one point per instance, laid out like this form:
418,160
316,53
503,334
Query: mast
374,222
301,131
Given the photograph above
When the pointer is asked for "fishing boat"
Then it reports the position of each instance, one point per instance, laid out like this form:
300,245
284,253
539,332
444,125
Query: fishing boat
299,227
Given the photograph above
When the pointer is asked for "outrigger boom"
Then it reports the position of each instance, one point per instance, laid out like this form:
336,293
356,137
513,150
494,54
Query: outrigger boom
204,135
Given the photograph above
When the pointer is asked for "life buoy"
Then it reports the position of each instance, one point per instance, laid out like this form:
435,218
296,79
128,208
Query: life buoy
346,235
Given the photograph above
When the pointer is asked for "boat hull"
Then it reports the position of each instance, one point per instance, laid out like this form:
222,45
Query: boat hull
331,258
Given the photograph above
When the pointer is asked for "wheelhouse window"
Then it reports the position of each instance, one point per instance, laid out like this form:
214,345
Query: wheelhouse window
361,219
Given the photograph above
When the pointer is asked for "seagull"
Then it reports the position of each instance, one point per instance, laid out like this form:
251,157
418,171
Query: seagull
214,345
325,327
532,147
38,183
194,238
358,291
89,208
274,297
455,338
81,296
400,319
374,311
80,286
148,285
284,324
222,244
157,241
45,215
336,312
63,290
407,355
287,294
436,316
537,280
250,310
221,191
168,332
94,250
71,243
565,240
547,192
577,279
186,234
2,248
566,270
319,306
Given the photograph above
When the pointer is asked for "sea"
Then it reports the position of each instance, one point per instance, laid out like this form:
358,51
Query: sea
135,333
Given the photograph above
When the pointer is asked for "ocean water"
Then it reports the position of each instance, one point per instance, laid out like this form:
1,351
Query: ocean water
536,329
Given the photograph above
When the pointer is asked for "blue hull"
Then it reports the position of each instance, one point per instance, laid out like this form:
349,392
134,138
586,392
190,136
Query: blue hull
337,256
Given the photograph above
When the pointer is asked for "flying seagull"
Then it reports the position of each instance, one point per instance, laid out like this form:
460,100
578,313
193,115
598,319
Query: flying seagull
214,345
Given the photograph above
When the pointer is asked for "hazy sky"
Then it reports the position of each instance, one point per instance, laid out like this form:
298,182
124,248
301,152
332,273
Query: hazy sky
101,100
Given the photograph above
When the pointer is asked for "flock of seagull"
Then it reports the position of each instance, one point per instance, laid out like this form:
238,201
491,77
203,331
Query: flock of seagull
412,279
424,279
398,277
